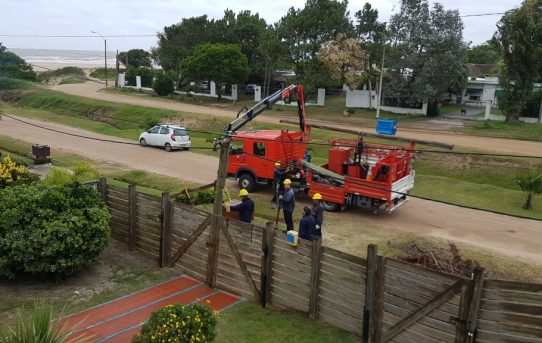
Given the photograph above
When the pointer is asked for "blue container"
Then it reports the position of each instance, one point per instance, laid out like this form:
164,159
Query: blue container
386,126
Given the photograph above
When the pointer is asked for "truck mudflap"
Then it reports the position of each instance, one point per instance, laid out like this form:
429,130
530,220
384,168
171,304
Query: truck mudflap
395,206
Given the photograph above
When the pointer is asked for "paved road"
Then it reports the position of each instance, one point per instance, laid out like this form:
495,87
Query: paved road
507,235
500,145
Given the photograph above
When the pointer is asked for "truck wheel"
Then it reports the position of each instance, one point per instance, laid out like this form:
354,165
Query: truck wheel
247,182
331,206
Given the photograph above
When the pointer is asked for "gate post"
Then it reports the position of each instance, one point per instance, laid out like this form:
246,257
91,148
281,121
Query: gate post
474,308
316,255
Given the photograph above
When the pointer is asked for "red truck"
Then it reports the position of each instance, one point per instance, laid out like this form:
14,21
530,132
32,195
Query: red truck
357,174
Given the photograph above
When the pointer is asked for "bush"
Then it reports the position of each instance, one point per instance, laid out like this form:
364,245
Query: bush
61,176
50,231
12,173
206,196
7,83
66,71
163,84
177,323
145,73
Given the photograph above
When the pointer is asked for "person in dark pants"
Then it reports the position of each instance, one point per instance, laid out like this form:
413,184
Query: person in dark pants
307,225
288,204
278,187
318,213
245,208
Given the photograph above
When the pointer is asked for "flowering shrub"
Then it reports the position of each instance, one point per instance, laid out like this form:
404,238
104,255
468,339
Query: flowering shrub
11,173
178,323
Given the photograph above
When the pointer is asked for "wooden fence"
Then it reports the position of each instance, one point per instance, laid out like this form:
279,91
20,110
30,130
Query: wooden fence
377,298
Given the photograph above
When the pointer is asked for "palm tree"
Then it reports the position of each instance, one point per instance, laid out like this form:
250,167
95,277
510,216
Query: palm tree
532,185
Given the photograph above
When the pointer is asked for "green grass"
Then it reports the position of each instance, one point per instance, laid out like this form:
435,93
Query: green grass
99,73
248,322
522,131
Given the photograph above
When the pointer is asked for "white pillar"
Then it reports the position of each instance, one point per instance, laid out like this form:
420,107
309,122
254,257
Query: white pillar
540,113
121,79
234,92
488,110
321,97
258,93
213,88
424,108
138,82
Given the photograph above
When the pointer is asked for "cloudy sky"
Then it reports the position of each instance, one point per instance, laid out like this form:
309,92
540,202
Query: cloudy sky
109,17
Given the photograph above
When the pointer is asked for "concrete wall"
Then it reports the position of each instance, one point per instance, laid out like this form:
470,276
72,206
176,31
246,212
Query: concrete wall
360,98
498,117
404,110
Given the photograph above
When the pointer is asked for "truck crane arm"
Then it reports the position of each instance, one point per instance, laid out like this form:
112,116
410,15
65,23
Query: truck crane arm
243,118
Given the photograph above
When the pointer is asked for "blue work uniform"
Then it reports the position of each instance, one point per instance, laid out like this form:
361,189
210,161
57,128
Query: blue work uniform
245,209
307,228
288,205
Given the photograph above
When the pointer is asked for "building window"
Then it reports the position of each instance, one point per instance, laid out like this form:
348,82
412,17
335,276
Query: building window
474,98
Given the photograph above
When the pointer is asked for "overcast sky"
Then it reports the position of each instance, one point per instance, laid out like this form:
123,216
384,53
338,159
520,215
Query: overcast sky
79,17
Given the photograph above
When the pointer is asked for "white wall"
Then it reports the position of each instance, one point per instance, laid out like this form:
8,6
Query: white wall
498,117
404,110
360,98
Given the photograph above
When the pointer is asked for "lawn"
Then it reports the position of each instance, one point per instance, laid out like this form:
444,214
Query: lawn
519,130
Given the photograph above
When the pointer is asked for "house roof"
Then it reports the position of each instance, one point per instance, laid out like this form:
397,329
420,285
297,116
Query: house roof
481,70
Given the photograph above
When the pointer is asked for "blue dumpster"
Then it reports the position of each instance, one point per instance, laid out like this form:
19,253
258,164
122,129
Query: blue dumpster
386,126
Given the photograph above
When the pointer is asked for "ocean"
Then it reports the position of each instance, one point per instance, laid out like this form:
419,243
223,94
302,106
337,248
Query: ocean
88,58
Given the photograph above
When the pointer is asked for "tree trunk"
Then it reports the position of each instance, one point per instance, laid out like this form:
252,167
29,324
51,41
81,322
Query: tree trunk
511,117
528,203
218,90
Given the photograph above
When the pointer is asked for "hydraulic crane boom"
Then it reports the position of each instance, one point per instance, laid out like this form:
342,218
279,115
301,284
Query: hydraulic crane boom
266,103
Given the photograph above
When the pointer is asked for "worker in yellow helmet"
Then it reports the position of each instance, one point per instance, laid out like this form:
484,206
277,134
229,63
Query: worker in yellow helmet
278,176
245,208
288,204
318,212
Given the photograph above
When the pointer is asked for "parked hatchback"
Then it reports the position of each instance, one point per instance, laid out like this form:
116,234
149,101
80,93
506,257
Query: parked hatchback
169,137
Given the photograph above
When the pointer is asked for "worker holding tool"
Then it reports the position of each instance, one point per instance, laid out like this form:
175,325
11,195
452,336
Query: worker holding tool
287,202
245,208
307,225
278,187
318,213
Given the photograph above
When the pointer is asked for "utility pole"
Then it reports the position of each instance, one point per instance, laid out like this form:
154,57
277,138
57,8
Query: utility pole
117,65
380,83
214,237
105,53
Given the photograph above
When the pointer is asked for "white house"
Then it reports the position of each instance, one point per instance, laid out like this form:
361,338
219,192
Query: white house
482,85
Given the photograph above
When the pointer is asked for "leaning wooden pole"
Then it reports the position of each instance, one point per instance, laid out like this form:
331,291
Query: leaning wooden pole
214,237
367,134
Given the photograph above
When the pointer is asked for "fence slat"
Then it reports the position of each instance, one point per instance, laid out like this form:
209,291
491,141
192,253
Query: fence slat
132,222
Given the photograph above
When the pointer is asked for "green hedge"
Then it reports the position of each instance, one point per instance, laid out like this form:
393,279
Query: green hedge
50,231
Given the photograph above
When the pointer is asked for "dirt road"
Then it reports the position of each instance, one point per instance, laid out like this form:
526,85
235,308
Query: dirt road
500,145
507,235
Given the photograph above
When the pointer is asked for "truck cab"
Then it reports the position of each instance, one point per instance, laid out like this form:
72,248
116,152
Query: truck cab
253,155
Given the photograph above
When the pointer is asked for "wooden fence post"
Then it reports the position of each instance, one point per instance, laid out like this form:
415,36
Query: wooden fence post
316,255
378,310
370,286
474,307
102,188
265,271
212,253
132,225
166,234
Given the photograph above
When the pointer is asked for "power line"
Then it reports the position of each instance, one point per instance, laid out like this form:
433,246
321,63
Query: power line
78,36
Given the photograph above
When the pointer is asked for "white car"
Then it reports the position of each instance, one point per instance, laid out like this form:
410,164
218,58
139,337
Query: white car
169,137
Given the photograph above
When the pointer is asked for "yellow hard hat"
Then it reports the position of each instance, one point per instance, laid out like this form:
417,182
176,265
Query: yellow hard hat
287,182
277,164
243,193
317,196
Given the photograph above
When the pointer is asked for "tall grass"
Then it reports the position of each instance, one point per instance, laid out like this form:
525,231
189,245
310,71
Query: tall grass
36,326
